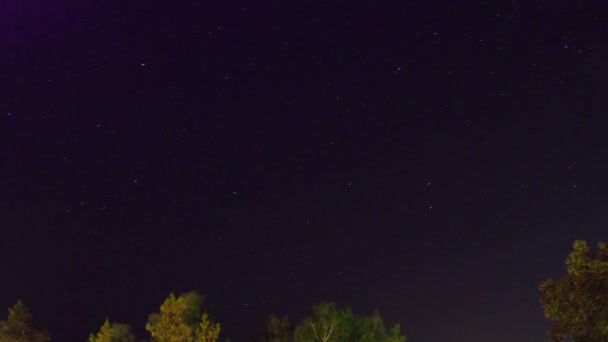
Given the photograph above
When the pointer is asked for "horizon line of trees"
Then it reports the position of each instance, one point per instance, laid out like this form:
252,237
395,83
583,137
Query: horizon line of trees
577,304
184,318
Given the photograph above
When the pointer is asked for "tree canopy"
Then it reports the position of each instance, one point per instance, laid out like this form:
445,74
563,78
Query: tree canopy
19,326
113,332
276,330
330,324
183,319
578,302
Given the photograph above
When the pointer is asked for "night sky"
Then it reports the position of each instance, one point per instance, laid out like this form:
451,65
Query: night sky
433,160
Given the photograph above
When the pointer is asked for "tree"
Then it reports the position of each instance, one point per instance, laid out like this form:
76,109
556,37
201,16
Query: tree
207,331
105,332
578,302
113,332
182,319
19,326
329,324
276,330
372,329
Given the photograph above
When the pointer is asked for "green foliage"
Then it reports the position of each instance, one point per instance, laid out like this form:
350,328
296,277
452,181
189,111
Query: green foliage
193,307
329,324
185,319
180,320
276,330
372,329
122,333
113,332
578,302
19,327
207,331
105,332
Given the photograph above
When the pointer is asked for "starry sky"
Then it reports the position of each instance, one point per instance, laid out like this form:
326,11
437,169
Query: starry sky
433,160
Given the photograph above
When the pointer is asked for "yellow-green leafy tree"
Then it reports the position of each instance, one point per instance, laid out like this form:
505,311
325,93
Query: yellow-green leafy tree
578,302
183,319
207,331
19,326
113,332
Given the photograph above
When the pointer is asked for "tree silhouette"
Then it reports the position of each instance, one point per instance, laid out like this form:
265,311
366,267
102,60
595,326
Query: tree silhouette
19,326
276,330
182,319
330,324
578,302
113,332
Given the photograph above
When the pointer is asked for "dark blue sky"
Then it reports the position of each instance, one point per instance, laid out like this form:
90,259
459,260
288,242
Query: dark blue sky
431,160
